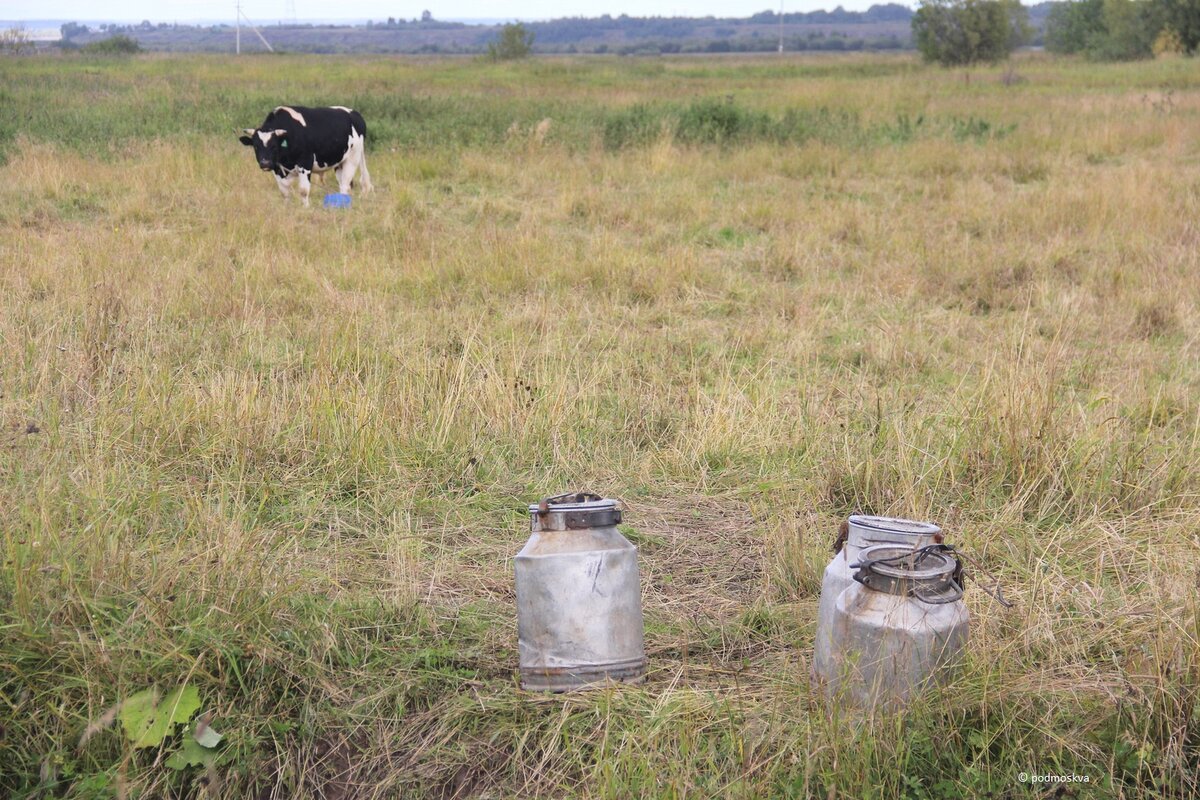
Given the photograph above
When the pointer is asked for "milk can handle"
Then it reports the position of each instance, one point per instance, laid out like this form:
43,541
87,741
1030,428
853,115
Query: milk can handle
580,497
958,594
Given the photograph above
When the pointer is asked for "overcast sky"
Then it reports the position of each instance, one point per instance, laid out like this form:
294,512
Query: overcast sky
273,10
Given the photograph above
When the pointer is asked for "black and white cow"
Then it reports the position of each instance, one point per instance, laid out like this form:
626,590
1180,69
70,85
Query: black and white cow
295,142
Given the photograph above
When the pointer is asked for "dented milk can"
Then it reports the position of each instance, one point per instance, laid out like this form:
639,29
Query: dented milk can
899,627
859,532
579,604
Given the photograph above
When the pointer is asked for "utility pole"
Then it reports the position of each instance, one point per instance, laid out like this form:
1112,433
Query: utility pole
257,32
781,27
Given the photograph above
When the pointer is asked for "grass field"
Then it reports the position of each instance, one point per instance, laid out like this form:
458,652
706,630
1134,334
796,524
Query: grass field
279,457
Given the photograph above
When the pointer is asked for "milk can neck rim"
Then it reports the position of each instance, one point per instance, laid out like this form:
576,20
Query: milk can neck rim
922,573
894,525
604,504
573,511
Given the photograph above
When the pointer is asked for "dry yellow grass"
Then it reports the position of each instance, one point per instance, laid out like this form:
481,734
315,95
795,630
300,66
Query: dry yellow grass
282,454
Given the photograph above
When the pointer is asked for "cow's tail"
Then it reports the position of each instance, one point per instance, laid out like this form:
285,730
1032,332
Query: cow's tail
362,169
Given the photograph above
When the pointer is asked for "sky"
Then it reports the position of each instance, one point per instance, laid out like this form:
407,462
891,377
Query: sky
274,10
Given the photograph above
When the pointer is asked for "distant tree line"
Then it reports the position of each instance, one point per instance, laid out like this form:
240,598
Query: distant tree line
426,22
881,27
950,32
833,42
72,30
606,33
577,29
887,12
1123,29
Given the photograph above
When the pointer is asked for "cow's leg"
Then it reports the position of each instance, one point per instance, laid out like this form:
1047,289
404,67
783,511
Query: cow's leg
305,185
285,185
345,171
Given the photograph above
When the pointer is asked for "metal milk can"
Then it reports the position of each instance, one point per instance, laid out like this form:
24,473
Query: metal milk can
901,625
860,532
579,603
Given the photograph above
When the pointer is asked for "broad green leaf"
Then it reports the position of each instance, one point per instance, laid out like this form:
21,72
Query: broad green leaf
191,754
147,720
137,714
181,704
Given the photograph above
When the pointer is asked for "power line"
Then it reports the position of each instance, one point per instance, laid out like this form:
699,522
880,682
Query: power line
257,32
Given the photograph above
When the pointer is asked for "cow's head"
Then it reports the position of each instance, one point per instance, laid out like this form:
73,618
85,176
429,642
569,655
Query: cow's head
268,145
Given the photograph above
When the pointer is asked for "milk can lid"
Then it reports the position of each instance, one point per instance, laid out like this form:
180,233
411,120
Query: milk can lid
574,510
925,573
895,525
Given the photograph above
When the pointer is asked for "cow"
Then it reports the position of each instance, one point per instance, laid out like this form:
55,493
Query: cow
295,143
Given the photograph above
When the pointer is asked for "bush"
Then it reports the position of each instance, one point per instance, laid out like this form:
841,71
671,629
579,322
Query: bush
635,126
15,40
1130,28
514,42
113,45
1168,43
1183,18
715,122
1070,25
1105,30
963,32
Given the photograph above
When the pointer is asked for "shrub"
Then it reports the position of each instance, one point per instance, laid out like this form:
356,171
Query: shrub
513,42
1130,28
1105,30
1168,43
15,40
1071,25
715,122
1183,18
964,32
113,45
638,125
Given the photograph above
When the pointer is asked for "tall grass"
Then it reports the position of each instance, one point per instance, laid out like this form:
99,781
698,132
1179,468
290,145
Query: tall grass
281,455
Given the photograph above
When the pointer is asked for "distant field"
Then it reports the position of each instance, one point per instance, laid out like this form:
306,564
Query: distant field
875,35
279,457
881,27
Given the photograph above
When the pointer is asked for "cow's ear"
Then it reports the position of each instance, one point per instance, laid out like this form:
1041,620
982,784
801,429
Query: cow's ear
246,137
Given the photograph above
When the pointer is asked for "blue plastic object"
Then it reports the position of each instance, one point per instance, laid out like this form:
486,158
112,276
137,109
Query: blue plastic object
337,200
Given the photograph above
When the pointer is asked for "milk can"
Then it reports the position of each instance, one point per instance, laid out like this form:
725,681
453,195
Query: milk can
859,532
900,626
579,610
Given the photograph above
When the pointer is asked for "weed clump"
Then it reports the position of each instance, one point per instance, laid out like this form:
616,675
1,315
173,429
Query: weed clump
633,127
715,122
